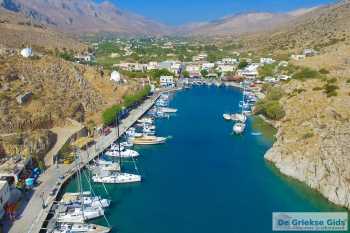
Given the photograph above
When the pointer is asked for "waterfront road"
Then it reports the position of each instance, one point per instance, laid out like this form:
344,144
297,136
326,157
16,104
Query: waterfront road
32,215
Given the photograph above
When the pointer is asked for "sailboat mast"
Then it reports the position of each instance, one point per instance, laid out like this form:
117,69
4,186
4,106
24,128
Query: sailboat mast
118,141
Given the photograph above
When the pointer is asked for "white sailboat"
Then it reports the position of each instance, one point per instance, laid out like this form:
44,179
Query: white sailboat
81,228
86,199
78,214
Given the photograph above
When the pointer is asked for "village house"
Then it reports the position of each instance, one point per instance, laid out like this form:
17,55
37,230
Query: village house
309,52
266,61
153,65
167,81
283,64
230,61
270,79
27,52
250,72
298,57
82,58
208,66
115,76
283,77
225,68
200,57
194,70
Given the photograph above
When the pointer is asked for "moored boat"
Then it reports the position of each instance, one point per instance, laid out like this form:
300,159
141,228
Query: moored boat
149,140
239,128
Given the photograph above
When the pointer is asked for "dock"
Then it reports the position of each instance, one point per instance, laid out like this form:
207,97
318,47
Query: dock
33,215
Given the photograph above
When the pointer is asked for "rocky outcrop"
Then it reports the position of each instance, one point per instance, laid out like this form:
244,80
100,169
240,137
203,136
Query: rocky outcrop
35,144
313,140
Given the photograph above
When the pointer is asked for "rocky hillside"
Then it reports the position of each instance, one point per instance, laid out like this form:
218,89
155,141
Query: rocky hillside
18,31
312,142
42,92
313,138
238,24
84,16
320,28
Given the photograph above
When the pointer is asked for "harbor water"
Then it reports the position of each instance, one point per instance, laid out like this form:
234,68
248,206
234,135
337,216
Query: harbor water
204,179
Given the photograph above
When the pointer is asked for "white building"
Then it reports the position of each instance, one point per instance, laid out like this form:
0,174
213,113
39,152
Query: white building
27,52
270,79
298,57
115,76
153,65
225,68
200,57
283,64
167,81
250,72
4,196
266,61
310,52
230,61
208,66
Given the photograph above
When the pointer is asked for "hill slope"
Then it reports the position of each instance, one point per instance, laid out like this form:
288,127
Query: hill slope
18,31
85,16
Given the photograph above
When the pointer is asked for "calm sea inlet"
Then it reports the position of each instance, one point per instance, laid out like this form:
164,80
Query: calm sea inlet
204,179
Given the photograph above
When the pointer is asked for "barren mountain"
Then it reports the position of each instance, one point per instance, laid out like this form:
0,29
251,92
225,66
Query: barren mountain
319,28
85,16
17,31
239,24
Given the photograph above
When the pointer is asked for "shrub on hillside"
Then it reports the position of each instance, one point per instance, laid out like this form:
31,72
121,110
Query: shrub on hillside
110,114
324,71
306,73
271,109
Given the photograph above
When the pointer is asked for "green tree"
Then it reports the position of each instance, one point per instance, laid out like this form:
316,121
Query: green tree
185,74
204,73
110,114
243,64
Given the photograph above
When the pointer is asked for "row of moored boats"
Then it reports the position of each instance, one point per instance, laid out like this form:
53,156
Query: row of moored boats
72,213
249,98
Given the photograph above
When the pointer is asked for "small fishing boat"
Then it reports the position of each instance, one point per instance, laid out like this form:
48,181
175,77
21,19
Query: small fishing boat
149,140
239,128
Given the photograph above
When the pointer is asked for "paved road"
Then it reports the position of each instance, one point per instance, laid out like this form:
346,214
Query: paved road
33,215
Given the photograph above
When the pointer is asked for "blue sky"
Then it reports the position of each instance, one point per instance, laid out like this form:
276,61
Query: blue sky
184,11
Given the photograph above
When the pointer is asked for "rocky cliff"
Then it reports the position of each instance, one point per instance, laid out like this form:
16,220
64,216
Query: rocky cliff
313,139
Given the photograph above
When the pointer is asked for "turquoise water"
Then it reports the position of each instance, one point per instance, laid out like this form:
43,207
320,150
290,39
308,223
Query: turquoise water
205,179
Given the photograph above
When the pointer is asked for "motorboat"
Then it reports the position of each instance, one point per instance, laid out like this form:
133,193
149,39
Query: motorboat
122,153
149,140
116,178
168,110
239,128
